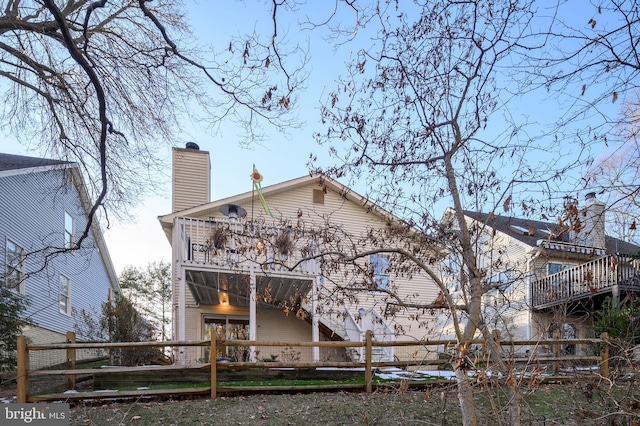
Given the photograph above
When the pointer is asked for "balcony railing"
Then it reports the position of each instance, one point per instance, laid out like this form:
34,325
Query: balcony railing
237,244
598,276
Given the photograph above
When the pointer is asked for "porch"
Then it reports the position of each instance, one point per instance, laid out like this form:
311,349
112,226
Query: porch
615,275
227,263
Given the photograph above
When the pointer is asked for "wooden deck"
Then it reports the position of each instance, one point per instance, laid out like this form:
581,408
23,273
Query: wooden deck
610,275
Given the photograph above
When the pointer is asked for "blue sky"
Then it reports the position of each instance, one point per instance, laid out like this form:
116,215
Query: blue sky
282,157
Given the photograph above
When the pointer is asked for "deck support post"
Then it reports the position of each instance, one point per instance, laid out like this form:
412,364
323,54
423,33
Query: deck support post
315,320
615,295
178,255
253,321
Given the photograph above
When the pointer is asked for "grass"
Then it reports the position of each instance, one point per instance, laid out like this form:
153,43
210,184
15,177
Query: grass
290,382
555,404
357,380
587,403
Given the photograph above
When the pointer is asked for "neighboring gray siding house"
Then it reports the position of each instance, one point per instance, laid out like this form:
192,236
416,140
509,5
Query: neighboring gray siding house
43,208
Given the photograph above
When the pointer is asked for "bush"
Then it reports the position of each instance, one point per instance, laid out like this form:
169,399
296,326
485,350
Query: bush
622,323
12,307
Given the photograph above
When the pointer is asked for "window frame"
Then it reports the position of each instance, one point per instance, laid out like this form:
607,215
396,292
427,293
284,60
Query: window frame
380,278
12,267
64,297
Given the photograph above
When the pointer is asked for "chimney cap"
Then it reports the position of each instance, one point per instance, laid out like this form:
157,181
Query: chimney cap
192,145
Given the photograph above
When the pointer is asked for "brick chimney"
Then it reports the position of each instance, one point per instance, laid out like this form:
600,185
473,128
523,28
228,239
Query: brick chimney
592,219
191,182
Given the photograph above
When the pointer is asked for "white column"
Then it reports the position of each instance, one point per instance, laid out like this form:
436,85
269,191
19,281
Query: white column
178,242
315,320
253,323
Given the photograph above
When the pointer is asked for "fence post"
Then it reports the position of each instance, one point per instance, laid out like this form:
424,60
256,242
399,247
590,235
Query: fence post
556,351
23,362
604,353
213,350
368,350
71,360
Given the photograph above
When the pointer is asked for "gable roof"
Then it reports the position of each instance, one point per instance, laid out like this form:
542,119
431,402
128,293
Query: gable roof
11,165
530,232
321,180
14,164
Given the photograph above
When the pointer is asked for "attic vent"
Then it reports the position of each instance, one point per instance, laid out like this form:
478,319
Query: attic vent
318,196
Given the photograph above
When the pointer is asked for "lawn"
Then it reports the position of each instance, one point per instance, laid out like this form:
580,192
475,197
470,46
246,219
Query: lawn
579,403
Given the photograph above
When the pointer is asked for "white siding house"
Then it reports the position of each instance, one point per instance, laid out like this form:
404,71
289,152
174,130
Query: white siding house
549,280
43,208
250,284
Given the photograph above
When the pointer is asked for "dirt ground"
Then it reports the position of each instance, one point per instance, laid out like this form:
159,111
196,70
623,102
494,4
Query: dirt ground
572,404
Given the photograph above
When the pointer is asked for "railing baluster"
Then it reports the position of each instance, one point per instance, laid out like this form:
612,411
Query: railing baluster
603,273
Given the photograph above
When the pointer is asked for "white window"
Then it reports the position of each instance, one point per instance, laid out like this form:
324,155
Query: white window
554,268
65,295
14,269
379,269
68,230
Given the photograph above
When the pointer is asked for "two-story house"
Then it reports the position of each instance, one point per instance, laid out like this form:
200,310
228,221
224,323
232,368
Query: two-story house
547,279
43,209
238,271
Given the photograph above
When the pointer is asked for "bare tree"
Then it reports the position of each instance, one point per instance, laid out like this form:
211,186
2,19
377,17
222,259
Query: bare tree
589,62
103,83
616,173
416,116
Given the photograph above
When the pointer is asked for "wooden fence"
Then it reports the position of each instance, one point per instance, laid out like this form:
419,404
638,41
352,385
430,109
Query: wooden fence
71,371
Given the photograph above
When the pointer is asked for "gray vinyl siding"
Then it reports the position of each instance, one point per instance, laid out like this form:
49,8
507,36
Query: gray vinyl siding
32,214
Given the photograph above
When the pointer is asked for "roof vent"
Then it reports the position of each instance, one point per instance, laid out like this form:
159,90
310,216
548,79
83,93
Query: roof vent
192,145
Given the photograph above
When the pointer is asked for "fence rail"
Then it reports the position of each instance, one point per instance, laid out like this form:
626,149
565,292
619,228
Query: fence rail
70,370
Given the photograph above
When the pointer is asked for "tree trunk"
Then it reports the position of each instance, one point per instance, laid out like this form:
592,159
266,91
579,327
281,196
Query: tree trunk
515,401
492,342
465,398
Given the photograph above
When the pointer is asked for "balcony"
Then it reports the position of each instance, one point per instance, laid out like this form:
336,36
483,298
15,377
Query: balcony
609,275
218,256
240,245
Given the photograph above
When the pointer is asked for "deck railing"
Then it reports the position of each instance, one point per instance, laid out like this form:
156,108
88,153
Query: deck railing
595,277
238,244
